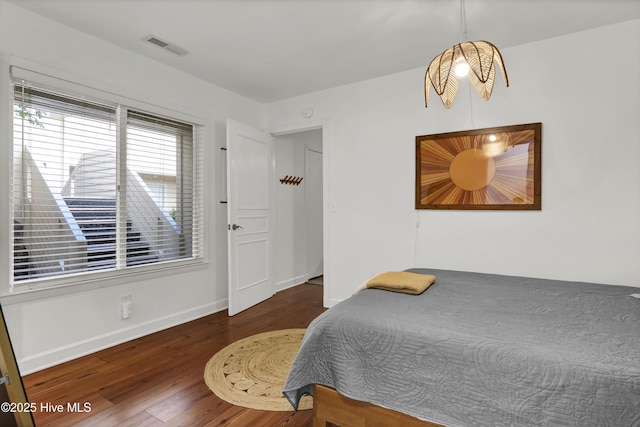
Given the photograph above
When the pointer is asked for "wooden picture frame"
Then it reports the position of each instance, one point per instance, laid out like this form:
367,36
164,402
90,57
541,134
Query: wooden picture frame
491,168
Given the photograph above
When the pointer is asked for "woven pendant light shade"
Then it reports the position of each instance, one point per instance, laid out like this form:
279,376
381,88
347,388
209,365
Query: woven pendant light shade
480,56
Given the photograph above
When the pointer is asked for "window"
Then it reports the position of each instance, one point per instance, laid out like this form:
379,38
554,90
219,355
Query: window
99,187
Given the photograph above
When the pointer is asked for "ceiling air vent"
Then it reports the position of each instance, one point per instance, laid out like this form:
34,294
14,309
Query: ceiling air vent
176,50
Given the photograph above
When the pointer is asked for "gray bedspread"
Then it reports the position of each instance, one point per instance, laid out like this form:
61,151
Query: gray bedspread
483,350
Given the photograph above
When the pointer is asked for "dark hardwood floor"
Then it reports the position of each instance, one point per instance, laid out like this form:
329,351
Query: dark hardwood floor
157,380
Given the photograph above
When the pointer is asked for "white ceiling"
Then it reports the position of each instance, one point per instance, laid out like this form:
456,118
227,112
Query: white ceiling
269,50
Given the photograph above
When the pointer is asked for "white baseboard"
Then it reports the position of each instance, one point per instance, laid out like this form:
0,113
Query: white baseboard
330,302
290,283
81,348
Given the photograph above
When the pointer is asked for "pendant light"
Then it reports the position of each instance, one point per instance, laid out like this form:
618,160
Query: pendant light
476,60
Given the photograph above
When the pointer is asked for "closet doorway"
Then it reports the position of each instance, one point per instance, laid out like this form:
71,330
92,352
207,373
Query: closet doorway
299,209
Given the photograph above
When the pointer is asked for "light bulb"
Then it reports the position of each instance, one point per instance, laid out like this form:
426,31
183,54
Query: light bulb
461,67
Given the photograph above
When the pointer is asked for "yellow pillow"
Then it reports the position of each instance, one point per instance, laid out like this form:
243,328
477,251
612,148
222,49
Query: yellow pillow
402,281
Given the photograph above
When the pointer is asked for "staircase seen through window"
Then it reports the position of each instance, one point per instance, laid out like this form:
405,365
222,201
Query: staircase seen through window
99,186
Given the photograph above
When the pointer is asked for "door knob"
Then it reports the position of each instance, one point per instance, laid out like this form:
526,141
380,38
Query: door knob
235,227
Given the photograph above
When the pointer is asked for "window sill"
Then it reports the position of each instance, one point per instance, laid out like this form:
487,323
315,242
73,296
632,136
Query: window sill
82,282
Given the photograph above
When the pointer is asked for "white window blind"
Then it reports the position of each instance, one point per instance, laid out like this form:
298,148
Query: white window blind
83,174
160,151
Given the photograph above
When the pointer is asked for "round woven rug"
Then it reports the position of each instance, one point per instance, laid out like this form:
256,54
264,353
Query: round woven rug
251,372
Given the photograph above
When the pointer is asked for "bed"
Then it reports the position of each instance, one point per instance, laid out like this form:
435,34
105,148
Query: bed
476,349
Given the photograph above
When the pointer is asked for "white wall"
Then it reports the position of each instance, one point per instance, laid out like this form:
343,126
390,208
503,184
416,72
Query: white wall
582,87
64,324
291,237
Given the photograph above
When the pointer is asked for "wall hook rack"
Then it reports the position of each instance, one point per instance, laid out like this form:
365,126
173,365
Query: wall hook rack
291,180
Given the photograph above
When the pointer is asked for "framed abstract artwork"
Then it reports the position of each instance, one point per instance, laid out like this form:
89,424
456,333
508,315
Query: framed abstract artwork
492,168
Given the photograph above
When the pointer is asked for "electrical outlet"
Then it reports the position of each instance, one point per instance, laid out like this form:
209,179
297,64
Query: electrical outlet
127,307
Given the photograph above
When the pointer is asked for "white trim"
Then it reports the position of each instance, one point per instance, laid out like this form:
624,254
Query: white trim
54,79
323,124
328,303
6,156
298,127
290,283
82,282
23,291
81,348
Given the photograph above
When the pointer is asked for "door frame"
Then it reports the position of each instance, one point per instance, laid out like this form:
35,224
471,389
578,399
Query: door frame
325,126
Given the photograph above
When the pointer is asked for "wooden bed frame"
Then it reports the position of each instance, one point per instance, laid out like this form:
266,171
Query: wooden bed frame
329,406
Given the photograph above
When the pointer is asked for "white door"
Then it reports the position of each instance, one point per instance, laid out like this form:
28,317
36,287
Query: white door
249,189
313,205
